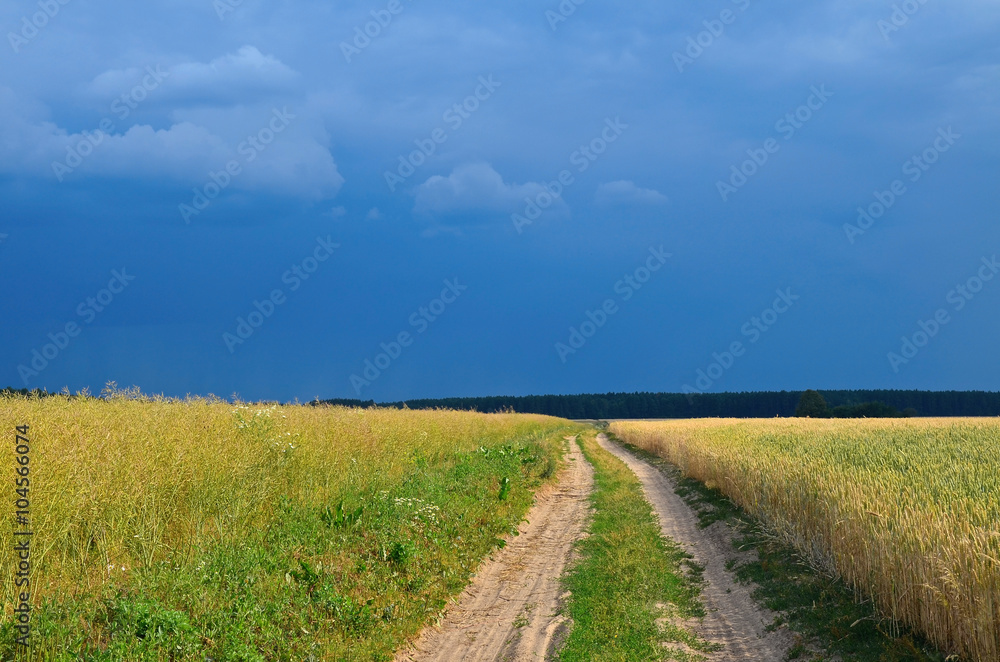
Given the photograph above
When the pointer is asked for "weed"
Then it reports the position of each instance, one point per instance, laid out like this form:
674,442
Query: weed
504,488
338,517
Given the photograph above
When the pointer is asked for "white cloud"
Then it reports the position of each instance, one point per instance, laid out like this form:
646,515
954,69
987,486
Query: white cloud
983,79
626,192
475,188
293,164
242,77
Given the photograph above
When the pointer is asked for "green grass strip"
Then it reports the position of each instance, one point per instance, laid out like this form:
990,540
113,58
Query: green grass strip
629,581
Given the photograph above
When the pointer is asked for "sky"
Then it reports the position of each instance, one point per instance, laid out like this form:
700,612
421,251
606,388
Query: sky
396,199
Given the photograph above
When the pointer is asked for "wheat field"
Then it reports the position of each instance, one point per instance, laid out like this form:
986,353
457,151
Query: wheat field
907,511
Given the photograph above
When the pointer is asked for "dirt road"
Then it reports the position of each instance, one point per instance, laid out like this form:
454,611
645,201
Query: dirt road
509,612
734,619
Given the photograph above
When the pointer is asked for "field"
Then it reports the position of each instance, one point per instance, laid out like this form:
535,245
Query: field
187,530
202,529
905,511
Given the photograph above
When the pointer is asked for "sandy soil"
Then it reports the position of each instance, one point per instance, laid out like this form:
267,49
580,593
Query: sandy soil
510,611
734,619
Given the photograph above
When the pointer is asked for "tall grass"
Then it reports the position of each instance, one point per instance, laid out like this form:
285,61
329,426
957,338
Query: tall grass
136,502
906,511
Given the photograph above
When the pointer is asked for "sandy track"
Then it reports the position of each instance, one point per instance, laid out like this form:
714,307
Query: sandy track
509,612
734,619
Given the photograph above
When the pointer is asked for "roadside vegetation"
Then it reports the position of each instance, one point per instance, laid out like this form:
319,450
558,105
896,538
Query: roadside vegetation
630,587
199,530
902,511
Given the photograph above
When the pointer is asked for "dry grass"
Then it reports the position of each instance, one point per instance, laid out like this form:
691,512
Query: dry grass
906,511
129,483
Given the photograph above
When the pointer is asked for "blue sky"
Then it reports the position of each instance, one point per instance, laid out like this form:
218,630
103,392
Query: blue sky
259,198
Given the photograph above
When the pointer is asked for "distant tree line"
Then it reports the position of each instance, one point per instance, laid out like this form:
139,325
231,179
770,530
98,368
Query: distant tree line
36,392
762,404
812,404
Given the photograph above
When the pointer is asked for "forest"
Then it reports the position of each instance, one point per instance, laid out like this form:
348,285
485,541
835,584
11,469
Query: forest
760,404
757,404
